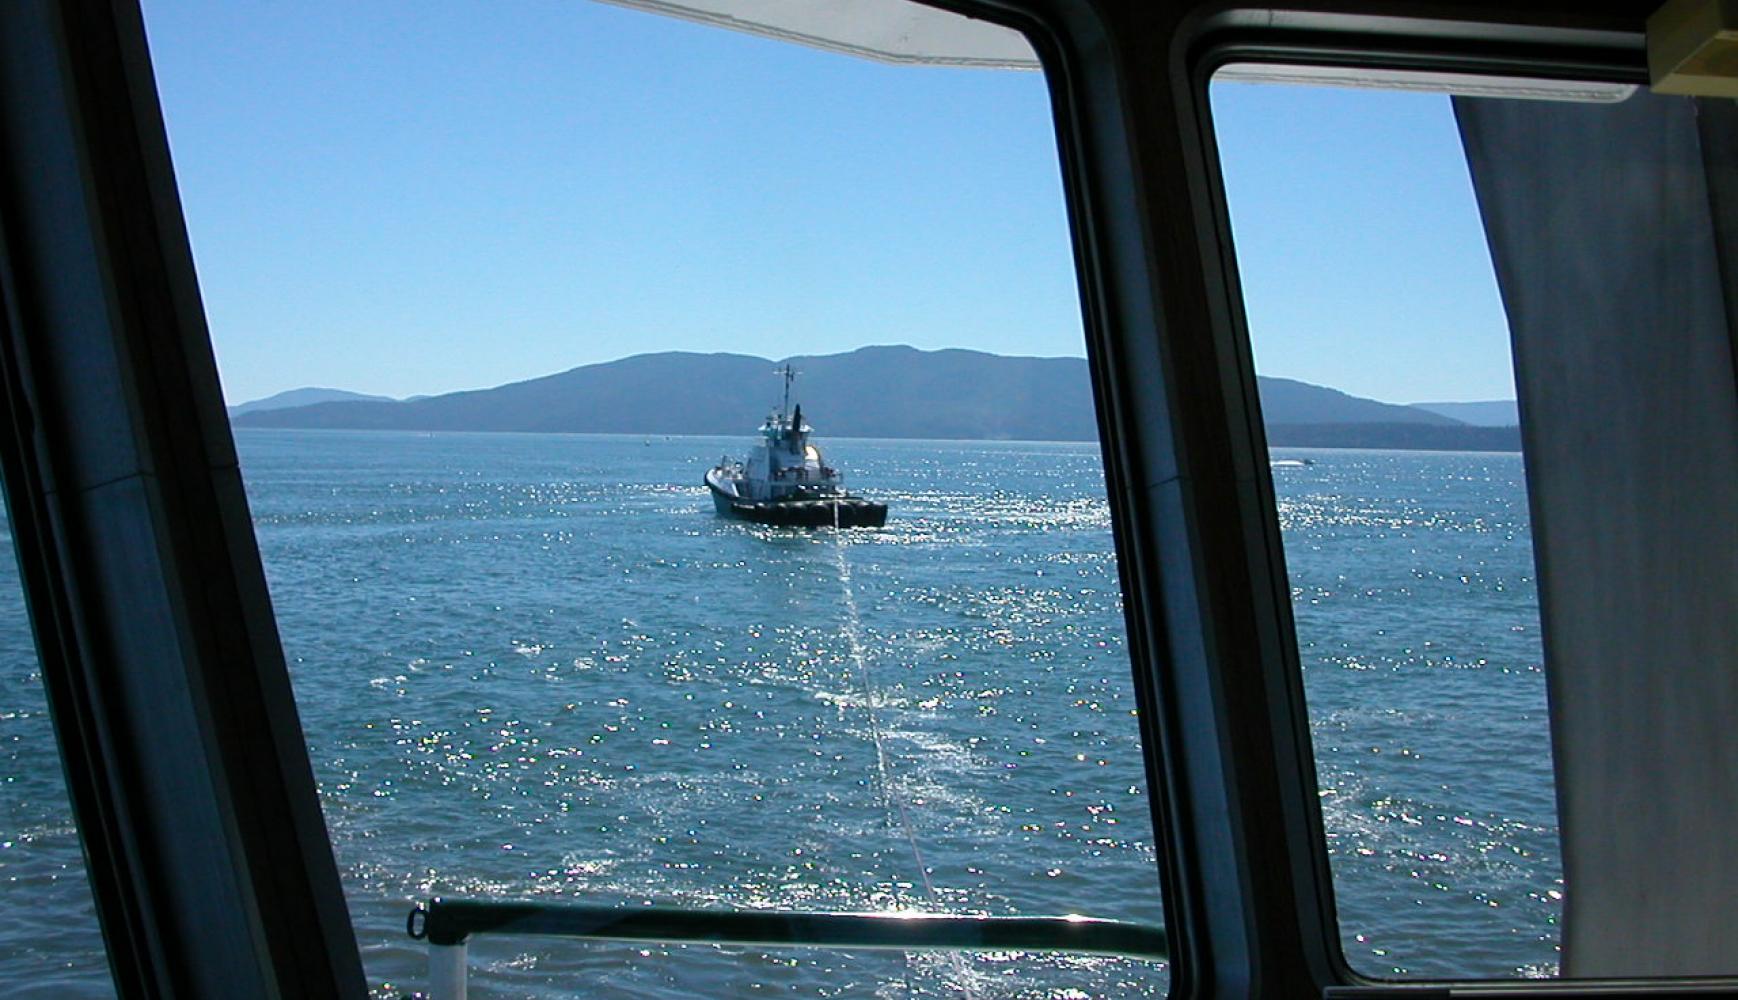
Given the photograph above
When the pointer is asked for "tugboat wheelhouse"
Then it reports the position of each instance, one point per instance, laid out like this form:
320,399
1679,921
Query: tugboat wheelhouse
192,790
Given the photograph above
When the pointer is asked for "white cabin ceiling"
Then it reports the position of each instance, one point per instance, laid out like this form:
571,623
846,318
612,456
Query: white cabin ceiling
909,33
893,31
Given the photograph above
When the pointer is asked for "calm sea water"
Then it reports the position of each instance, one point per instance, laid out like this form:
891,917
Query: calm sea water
540,666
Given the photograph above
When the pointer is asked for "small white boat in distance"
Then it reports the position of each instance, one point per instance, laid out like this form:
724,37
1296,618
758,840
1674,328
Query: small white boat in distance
785,481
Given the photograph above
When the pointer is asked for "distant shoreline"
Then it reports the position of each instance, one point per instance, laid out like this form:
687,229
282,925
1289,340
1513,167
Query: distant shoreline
894,392
1395,437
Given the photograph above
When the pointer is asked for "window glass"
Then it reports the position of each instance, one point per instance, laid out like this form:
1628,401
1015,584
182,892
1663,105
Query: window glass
1388,392
50,944
533,655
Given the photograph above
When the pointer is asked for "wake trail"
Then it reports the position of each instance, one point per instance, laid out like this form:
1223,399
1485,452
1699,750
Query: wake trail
860,665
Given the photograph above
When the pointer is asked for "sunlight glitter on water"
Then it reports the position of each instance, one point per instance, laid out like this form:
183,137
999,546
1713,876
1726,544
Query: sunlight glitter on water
540,666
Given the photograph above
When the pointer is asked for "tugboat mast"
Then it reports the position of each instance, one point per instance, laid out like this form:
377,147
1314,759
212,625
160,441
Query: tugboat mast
790,375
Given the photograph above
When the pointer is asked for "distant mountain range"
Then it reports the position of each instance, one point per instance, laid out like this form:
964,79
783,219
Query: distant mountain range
305,397
886,392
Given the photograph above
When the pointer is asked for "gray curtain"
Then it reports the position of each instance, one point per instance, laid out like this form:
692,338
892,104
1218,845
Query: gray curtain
1615,239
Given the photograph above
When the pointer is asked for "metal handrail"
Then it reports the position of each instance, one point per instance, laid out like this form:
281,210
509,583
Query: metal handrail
447,924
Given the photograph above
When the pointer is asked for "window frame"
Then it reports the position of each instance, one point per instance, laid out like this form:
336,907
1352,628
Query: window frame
1316,42
1344,40
191,788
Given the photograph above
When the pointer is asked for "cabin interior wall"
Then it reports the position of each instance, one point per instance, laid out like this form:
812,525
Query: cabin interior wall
1616,274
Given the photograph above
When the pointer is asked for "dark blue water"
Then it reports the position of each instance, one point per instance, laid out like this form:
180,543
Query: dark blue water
49,943
1418,628
540,666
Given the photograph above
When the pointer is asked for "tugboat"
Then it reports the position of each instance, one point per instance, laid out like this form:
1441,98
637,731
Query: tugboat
786,482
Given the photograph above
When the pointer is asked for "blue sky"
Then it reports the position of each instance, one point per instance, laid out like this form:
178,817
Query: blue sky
405,198
1362,258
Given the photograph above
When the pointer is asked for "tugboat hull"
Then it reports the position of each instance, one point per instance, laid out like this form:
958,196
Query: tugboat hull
842,512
